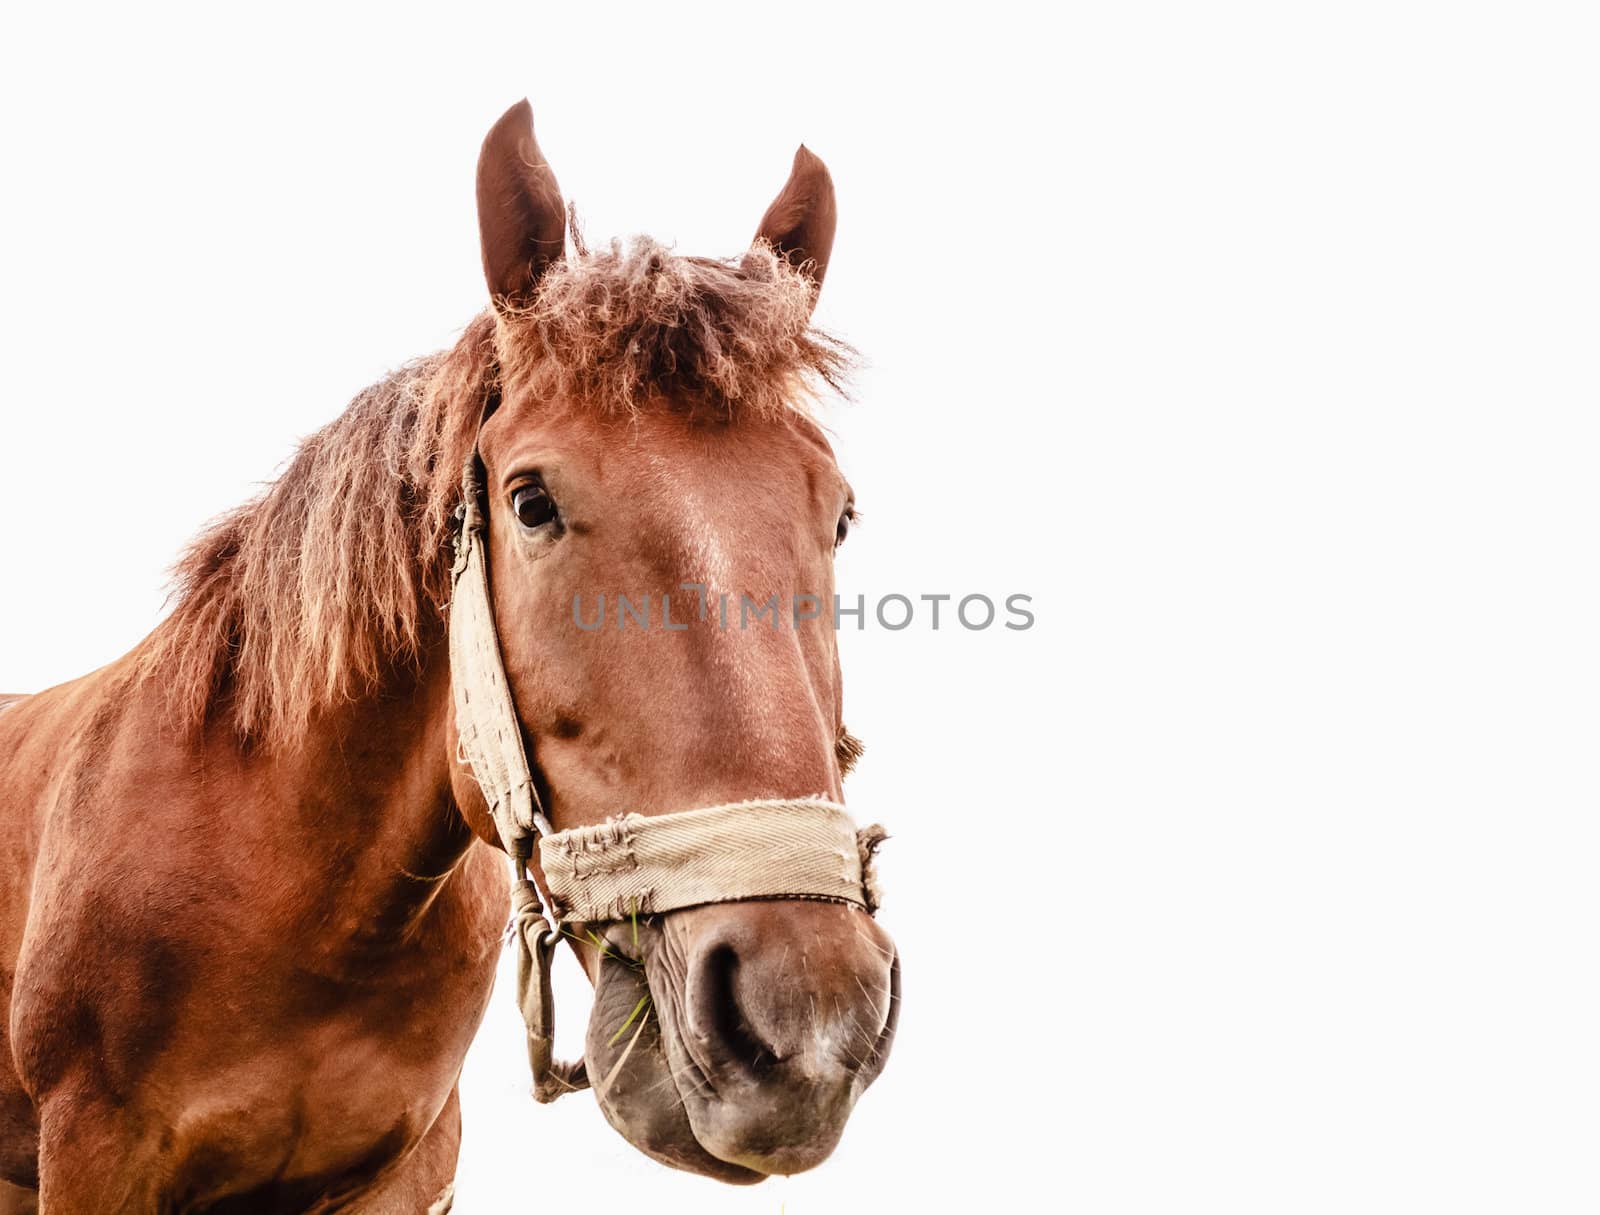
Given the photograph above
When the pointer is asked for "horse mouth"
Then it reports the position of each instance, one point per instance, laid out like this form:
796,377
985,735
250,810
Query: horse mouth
633,1081
723,1105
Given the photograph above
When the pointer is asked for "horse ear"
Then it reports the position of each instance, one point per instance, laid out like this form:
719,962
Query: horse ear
800,222
522,222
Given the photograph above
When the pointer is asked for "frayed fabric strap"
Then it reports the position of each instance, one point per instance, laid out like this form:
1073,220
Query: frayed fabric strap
486,718
638,864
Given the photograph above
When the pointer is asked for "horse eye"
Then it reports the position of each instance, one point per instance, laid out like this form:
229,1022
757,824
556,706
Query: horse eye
845,520
533,505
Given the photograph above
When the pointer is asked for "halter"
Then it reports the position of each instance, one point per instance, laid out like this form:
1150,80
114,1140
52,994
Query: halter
631,865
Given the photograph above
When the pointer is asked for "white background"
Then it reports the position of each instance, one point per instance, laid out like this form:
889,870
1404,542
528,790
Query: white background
1256,342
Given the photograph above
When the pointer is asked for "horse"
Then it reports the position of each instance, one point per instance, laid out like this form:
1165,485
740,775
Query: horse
251,899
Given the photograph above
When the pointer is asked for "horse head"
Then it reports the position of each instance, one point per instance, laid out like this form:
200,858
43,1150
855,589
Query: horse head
661,515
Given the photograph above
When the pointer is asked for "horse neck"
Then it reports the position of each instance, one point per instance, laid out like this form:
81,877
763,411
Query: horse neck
369,788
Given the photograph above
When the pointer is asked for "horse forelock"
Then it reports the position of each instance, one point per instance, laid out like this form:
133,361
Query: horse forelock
633,325
337,574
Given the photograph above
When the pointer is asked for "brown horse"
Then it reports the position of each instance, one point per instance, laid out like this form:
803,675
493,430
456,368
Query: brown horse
250,903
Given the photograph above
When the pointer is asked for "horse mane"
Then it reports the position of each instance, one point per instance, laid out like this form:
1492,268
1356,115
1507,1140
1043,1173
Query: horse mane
338,573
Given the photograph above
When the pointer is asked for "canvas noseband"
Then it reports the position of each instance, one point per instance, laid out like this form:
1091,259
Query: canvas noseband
630,865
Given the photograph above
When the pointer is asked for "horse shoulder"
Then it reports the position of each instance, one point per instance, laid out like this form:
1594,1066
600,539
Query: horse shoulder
40,746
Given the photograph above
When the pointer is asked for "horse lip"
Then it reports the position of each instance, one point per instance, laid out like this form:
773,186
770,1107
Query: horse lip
891,1024
654,1118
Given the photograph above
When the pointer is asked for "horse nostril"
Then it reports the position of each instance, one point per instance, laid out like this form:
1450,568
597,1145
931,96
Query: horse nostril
719,1020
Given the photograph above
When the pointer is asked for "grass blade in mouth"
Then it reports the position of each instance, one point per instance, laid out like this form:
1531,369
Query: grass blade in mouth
623,1028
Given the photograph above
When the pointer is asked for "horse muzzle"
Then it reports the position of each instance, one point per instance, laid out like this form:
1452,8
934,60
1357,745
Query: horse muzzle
765,1022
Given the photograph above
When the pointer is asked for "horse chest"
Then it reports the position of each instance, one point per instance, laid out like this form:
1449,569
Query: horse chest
338,1105
222,1060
